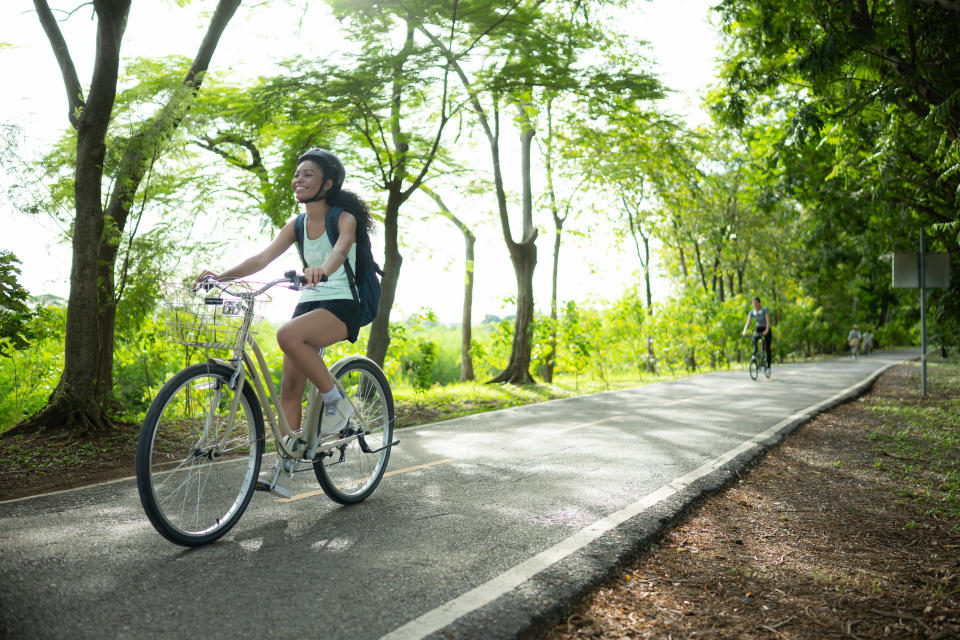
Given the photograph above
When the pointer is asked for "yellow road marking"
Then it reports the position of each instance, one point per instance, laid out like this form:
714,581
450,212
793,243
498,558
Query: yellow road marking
317,492
589,424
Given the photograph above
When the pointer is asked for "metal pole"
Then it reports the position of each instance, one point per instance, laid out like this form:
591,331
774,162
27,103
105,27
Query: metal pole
923,315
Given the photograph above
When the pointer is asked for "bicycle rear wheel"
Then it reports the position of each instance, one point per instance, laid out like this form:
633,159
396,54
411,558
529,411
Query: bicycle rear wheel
754,367
197,468
348,474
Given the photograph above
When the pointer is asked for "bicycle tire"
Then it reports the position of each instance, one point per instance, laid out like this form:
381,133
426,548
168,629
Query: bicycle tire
347,474
193,490
754,367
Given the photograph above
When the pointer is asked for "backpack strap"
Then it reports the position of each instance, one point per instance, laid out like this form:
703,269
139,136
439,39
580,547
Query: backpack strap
299,232
333,224
333,234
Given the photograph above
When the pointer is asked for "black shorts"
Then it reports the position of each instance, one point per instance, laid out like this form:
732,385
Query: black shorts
347,311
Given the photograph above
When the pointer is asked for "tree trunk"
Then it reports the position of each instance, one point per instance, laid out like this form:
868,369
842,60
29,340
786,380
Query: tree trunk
466,324
523,254
703,275
683,258
550,363
379,339
82,395
646,275
517,371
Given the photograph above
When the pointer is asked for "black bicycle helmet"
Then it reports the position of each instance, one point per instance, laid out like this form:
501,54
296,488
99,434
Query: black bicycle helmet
332,170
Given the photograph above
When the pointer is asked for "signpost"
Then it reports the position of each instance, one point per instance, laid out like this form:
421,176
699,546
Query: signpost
923,271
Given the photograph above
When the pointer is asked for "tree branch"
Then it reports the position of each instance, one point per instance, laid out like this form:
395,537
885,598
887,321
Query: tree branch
69,72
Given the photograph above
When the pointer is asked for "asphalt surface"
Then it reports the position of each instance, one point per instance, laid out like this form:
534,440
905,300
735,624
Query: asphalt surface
487,526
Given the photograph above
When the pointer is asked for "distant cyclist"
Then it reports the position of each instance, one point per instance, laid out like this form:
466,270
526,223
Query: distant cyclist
761,315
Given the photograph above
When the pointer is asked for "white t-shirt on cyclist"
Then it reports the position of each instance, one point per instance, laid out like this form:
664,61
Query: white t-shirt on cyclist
337,287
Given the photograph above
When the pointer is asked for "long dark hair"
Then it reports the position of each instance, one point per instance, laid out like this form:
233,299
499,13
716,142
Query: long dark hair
354,204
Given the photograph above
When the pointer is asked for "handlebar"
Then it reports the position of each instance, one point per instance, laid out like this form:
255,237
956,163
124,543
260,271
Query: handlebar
292,277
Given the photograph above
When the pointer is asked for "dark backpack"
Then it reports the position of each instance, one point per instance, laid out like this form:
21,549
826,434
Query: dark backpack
365,282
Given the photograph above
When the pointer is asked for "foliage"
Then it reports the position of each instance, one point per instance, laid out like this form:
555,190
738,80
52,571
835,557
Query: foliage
15,315
860,102
29,376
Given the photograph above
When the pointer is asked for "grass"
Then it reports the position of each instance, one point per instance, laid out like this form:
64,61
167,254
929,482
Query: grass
919,441
446,402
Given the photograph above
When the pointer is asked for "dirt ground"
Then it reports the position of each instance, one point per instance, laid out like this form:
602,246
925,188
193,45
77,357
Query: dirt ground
815,542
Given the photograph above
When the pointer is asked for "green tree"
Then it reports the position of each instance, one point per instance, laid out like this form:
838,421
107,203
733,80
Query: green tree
466,319
868,94
15,315
83,396
530,52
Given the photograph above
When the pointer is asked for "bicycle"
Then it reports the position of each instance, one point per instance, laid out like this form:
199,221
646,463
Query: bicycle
758,361
201,444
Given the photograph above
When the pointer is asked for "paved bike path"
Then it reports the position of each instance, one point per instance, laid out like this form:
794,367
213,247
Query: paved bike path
487,525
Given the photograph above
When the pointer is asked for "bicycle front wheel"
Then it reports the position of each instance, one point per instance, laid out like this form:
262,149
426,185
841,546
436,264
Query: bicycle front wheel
198,456
754,367
348,473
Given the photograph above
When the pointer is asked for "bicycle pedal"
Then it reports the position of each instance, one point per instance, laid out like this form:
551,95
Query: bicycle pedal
261,486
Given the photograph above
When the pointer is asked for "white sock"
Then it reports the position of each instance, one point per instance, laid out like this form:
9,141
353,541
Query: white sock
330,399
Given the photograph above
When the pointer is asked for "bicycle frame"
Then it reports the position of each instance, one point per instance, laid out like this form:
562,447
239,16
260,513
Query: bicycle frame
266,390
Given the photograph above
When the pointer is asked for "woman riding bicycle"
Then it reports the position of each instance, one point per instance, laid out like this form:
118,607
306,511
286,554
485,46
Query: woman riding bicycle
761,315
327,311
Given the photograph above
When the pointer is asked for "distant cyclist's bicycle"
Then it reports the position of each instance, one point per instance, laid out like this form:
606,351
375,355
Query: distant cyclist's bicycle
199,453
758,361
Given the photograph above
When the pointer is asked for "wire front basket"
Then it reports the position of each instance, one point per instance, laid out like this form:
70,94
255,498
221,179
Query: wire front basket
208,319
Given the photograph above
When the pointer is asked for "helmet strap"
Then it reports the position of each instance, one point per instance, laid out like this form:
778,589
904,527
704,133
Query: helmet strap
320,195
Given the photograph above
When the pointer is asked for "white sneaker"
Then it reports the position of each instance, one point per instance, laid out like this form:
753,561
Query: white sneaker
335,416
295,444
767,372
279,482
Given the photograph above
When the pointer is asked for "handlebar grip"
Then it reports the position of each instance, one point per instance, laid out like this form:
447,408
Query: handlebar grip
206,283
292,276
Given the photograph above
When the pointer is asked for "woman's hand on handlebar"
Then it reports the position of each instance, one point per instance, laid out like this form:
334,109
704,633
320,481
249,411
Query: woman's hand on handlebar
206,275
204,279
314,275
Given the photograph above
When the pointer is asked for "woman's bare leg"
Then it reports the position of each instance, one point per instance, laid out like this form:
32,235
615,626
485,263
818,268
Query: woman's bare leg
300,340
292,385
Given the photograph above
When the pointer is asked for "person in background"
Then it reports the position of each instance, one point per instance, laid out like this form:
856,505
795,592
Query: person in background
867,342
853,339
761,315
